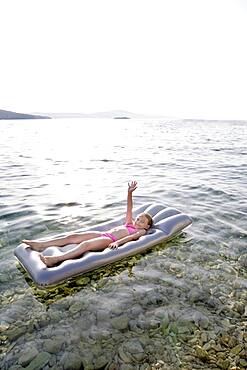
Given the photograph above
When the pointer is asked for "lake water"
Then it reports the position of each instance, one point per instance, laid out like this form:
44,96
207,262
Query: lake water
181,305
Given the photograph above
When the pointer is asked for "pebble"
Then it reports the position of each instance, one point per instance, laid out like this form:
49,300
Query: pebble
15,332
235,350
28,355
71,361
76,307
3,327
223,364
201,353
53,345
120,322
101,361
39,361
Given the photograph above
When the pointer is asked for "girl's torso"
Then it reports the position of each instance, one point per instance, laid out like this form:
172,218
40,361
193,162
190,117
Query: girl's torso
120,232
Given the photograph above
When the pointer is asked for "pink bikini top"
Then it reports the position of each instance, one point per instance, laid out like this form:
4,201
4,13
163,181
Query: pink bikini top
131,228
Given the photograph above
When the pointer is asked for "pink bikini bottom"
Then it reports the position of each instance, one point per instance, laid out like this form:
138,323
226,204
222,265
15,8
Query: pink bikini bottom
108,235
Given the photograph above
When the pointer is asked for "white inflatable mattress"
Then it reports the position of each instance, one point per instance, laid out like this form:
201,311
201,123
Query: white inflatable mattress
168,222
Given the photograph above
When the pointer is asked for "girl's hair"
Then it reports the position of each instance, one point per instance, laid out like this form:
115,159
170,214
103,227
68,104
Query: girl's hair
149,218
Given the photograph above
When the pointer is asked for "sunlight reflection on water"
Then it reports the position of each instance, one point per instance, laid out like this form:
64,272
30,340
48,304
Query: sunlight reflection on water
90,162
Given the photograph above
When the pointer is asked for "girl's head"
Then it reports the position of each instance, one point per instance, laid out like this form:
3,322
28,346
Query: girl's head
150,220
144,221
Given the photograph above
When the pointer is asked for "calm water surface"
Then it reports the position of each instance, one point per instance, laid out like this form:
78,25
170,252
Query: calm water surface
61,175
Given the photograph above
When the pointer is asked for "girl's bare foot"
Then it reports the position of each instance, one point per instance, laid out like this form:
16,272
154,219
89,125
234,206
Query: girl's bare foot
37,246
49,261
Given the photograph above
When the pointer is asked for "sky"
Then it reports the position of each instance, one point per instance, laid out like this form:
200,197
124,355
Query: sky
177,58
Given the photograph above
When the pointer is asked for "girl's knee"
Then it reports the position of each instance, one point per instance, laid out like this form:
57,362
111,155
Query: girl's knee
84,246
74,238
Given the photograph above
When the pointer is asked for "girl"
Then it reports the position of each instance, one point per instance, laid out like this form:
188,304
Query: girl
95,240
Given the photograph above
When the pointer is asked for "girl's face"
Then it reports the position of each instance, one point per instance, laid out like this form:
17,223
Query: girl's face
141,222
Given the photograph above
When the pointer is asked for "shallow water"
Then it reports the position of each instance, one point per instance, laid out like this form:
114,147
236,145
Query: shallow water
165,305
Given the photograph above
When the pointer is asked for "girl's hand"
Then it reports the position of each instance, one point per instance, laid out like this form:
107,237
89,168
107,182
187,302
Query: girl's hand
132,186
114,245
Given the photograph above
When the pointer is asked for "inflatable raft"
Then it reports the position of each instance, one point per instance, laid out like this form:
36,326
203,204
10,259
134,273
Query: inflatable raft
168,222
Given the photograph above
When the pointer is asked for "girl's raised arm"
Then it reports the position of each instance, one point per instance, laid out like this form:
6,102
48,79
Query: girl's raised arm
131,187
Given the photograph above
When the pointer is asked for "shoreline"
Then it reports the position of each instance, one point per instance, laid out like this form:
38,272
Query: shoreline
117,115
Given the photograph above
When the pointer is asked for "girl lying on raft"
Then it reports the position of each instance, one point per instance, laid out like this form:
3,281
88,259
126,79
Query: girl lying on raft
95,240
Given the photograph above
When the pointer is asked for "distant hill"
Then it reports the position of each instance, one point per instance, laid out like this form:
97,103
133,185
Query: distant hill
115,114
5,114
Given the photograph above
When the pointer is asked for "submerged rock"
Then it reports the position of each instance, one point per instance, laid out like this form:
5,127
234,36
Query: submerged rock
28,355
120,322
53,345
71,361
39,361
124,356
243,260
3,327
201,353
132,352
15,332
76,307
100,362
201,320
223,364
83,280
237,349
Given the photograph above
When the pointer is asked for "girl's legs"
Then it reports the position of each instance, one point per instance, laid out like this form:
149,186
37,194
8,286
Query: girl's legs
98,243
60,242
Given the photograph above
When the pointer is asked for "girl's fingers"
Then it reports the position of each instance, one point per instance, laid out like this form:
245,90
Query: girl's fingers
132,185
